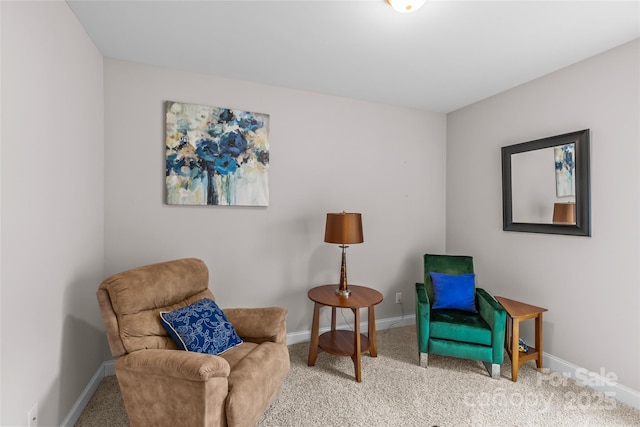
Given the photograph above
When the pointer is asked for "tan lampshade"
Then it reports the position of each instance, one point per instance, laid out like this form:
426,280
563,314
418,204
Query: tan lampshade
343,228
564,213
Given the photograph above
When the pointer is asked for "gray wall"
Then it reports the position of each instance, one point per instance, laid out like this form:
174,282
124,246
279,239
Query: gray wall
328,154
590,285
52,210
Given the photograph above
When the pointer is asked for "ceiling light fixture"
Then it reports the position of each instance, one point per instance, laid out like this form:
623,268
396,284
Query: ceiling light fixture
406,6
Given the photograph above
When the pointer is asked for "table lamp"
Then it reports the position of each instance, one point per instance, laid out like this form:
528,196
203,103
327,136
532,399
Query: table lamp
344,229
564,213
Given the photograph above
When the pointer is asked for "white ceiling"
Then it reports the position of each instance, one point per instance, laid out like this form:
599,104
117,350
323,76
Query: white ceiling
444,56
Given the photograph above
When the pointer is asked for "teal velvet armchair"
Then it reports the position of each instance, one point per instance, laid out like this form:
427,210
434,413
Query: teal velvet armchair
457,333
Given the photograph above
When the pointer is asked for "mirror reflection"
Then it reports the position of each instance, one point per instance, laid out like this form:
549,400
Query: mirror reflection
543,185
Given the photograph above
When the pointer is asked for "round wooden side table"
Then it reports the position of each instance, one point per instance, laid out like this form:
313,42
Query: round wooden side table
344,342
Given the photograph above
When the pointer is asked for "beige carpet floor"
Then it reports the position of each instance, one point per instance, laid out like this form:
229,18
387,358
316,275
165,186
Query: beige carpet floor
396,392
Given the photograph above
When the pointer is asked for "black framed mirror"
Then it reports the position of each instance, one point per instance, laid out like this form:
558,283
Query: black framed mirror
546,185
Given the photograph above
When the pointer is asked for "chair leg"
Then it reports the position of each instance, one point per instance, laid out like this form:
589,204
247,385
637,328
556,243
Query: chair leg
423,358
493,369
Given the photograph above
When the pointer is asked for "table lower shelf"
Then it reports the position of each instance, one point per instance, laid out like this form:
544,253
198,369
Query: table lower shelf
523,357
341,343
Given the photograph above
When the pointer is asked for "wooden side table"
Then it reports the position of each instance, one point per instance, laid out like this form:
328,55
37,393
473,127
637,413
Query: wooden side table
340,342
516,312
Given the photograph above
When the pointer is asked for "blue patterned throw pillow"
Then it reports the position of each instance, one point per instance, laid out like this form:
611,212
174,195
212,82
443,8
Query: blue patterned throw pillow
201,327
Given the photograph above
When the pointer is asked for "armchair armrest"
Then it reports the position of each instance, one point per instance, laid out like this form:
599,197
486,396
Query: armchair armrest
422,298
175,363
173,387
259,324
423,316
496,317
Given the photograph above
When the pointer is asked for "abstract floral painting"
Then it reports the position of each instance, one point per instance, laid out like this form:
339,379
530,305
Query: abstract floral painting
216,156
565,170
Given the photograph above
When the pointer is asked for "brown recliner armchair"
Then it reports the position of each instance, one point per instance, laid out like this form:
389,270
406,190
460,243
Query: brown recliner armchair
164,386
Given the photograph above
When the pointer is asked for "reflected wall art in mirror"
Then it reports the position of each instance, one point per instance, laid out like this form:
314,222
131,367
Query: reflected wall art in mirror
546,185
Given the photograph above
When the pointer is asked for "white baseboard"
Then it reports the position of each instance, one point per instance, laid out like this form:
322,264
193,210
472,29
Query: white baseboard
87,393
604,382
381,324
109,368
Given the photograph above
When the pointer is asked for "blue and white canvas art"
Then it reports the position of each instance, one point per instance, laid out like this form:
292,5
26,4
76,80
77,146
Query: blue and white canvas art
565,170
216,156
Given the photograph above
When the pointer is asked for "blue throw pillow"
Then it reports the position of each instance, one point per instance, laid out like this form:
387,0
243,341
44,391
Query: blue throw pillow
457,292
201,327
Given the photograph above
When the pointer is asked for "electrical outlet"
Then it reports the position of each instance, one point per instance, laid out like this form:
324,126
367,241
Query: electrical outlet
32,420
399,298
